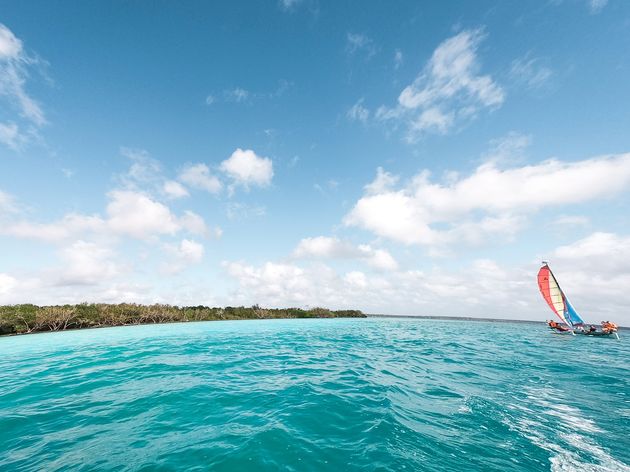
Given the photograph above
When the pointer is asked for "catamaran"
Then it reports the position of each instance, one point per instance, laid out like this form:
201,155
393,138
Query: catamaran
572,323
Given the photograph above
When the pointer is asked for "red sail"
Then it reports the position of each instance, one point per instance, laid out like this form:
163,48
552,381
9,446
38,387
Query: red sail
551,292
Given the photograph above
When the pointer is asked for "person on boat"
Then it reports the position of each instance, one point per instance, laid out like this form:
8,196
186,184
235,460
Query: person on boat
554,325
591,329
608,327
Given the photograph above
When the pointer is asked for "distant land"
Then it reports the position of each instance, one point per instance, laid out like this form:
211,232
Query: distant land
26,318
469,318
457,318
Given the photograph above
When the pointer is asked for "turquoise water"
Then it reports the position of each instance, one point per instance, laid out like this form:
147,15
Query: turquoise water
356,394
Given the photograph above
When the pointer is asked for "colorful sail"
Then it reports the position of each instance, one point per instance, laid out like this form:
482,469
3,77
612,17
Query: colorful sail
571,315
555,298
551,292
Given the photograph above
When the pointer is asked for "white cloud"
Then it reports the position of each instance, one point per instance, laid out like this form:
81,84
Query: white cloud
378,258
87,263
129,213
137,215
508,148
594,272
281,284
193,223
246,168
601,253
7,204
11,137
145,174
358,112
397,292
7,283
14,64
489,202
528,70
597,6
570,221
185,254
383,182
323,247
356,279
68,227
190,251
198,176
448,91
210,100
174,189
10,46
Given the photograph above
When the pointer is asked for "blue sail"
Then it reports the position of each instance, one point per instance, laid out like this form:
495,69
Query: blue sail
570,313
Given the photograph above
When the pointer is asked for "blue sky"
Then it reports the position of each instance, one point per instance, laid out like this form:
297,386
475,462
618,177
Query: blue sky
420,159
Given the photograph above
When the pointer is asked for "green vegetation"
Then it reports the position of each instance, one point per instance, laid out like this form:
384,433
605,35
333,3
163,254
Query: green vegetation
20,319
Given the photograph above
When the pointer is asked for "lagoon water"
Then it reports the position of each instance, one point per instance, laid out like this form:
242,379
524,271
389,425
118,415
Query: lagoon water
345,394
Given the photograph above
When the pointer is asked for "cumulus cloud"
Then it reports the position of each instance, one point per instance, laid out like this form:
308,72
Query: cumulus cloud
128,213
193,223
183,255
7,283
491,201
174,189
198,176
449,90
246,168
10,46
324,247
137,215
397,292
282,284
68,227
87,263
594,272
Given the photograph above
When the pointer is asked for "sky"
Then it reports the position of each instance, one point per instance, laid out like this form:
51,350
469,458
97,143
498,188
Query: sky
410,158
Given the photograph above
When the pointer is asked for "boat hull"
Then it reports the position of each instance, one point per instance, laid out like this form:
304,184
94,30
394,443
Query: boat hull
597,333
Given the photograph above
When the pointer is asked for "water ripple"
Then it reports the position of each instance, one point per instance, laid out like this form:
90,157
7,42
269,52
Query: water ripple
299,395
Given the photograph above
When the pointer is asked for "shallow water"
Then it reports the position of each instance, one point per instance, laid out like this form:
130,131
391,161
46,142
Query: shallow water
351,394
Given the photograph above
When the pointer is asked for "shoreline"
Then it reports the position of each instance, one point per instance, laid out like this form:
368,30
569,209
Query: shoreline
16,320
30,319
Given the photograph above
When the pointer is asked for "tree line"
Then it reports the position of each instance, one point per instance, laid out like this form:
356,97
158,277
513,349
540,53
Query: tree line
26,318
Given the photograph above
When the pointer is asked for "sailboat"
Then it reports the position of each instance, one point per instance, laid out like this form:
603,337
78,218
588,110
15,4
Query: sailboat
572,323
